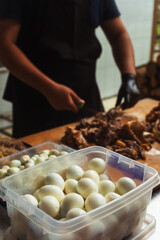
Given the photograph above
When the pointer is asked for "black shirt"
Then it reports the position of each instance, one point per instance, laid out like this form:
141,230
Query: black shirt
30,14
31,110
15,9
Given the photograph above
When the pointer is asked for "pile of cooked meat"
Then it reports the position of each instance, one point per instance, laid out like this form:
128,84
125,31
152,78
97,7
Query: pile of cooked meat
10,146
113,130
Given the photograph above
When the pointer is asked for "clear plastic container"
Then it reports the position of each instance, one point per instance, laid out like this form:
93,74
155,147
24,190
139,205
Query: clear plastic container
31,151
145,230
113,221
34,150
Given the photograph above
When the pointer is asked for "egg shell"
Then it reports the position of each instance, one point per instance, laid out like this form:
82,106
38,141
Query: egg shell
63,153
21,167
40,160
52,157
12,170
29,164
104,176
86,186
124,185
93,201
71,200
51,190
5,167
70,186
50,205
43,155
91,174
3,173
97,164
31,161
111,196
75,212
54,152
46,151
35,194
15,163
106,186
31,199
24,158
74,172
62,219
55,179
33,158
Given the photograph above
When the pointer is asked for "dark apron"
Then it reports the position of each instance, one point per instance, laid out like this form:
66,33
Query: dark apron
66,51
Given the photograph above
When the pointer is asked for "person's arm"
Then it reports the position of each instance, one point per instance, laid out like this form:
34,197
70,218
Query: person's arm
120,42
59,96
123,53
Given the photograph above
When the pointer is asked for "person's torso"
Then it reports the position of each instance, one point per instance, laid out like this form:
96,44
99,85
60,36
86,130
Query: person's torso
59,38
59,29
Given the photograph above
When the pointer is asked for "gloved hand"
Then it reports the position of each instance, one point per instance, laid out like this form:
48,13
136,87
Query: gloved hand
128,90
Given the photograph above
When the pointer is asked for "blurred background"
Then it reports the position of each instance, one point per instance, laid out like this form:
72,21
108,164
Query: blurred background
142,20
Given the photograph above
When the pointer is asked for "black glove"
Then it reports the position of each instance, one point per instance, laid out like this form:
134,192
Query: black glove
128,90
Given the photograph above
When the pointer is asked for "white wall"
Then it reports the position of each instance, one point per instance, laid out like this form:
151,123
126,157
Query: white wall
137,17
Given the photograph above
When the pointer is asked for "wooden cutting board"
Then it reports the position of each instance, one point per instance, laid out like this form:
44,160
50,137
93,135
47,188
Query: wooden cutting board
140,110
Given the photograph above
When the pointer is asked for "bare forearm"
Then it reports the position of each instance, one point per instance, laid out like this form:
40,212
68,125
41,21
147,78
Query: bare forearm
123,54
120,42
60,97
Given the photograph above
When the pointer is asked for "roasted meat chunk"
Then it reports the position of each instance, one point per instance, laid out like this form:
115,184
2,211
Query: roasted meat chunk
74,138
117,131
128,148
156,129
153,122
10,146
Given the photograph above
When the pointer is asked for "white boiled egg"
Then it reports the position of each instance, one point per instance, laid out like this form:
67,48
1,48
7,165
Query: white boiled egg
74,172
55,179
86,186
50,205
51,190
93,201
71,200
97,164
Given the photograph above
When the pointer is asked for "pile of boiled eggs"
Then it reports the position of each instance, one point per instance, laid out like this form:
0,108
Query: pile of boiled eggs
79,191
27,161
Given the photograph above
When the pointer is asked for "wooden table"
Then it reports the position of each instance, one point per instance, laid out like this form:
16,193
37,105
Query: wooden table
54,134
